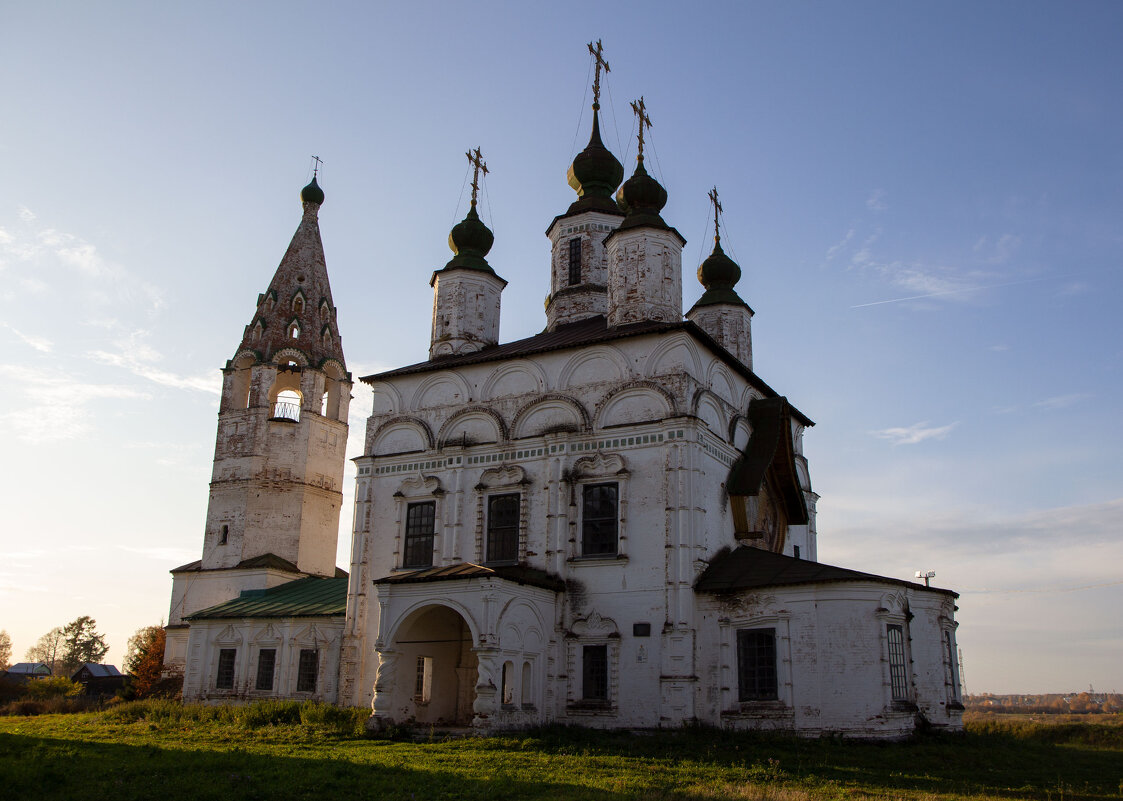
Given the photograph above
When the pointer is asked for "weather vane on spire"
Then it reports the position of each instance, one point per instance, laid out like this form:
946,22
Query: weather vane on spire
640,111
476,159
717,210
316,169
600,62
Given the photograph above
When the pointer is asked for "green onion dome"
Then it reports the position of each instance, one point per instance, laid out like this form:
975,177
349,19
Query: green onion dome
642,198
312,193
718,274
595,174
470,240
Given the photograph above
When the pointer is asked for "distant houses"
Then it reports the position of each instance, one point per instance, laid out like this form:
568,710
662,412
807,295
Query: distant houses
99,679
96,680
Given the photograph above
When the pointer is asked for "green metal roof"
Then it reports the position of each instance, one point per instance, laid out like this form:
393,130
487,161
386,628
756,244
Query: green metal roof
306,597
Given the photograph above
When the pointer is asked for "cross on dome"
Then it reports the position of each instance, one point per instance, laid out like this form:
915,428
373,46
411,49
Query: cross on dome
640,110
717,210
600,62
476,159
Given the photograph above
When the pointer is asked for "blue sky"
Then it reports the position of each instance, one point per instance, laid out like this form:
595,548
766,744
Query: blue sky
925,201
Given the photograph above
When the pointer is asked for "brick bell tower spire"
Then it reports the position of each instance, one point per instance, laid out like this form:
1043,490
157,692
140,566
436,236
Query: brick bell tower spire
276,485
282,433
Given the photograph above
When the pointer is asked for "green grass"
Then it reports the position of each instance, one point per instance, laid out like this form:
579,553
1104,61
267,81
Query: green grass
164,750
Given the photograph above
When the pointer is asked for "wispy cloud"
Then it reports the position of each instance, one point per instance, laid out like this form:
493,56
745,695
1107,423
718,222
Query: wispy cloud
41,344
999,250
876,201
834,249
42,248
918,432
135,355
161,554
55,403
947,292
999,347
1061,401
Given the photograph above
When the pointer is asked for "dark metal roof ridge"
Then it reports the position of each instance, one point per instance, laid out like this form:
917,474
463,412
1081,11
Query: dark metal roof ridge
746,567
599,331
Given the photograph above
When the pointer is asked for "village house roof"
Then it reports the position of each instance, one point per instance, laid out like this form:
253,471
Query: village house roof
97,671
307,597
583,333
29,669
748,568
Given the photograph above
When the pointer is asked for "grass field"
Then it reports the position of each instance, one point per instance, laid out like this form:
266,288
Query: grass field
160,750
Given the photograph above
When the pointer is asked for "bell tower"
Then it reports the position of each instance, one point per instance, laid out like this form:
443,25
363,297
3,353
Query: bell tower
276,487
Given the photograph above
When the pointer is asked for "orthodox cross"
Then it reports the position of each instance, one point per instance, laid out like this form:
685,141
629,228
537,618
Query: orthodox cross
476,159
640,111
316,169
597,51
717,211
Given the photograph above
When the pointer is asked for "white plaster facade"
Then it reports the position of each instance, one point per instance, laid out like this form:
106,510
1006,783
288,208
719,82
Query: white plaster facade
610,524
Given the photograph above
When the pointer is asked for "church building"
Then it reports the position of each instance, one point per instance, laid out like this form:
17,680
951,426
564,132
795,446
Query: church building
610,523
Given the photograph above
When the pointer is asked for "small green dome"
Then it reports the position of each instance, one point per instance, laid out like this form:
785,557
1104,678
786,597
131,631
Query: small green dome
719,271
642,198
595,174
718,274
470,240
312,193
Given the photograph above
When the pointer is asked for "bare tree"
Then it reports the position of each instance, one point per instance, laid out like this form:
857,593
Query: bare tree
48,650
5,650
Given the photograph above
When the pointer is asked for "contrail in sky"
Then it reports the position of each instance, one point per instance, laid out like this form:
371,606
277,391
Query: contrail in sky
953,292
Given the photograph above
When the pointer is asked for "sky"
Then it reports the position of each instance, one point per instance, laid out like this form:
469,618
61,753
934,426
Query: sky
925,200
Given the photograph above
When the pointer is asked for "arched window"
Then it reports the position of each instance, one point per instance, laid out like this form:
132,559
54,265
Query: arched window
508,682
225,535
527,695
324,404
287,405
298,304
294,330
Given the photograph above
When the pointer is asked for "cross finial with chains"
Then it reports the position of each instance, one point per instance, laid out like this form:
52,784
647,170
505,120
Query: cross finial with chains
600,62
476,159
316,169
640,110
717,211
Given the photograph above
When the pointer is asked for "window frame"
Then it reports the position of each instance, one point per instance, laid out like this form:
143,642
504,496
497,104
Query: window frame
307,664
226,668
588,522
415,541
756,666
261,662
574,261
511,531
897,662
595,672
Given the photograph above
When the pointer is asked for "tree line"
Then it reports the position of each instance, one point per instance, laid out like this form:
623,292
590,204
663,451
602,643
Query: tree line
64,649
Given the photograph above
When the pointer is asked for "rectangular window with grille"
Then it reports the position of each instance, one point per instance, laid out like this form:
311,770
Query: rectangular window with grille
575,261
599,519
420,519
756,665
266,666
307,669
898,675
503,528
594,673
224,680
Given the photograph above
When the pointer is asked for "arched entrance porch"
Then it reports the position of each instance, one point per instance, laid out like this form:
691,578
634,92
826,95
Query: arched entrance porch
428,671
